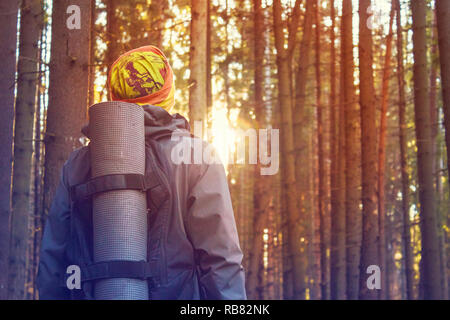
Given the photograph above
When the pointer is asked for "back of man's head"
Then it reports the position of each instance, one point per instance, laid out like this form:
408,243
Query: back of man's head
142,76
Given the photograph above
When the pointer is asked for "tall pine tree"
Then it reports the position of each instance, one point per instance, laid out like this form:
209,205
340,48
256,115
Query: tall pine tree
31,18
428,219
8,38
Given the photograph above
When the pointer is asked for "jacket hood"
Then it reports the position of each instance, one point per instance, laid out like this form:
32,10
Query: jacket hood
158,123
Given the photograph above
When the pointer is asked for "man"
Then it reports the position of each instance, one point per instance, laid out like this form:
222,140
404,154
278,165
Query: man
195,244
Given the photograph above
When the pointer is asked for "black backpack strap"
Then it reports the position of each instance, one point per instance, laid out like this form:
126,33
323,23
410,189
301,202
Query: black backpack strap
119,269
112,182
143,270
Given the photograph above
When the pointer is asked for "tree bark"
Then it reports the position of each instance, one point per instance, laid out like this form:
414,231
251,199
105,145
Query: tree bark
112,37
288,158
321,164
369,245
382,156
433,101
92,60
301,132
68,92
209,95
226,62
197,63
36,220
337,243
443,26
8,39
406,231
157,20
434,118
27,67
300,94
428,219
261,183
352,155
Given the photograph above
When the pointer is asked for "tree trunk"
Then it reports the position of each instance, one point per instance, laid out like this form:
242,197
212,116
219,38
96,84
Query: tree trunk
8,39
68,92
433,101
443,26
197,63
300,94
92,60
314,223
209,95
369,245
430,247
261,183
288,158
406,231
30,26
157,20
352,154
434,118
226,62
255,253
321,158
301,132
337,181
112,37
37,226
382,156
341,196
259,48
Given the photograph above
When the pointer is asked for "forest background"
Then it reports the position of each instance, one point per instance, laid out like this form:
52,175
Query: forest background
360,91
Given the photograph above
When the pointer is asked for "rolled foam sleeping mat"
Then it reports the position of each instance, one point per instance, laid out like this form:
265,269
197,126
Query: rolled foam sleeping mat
119,217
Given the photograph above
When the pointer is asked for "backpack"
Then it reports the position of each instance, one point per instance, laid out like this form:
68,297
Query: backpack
156,184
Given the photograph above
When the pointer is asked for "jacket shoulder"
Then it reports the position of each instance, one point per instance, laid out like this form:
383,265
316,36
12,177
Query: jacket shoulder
77,166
